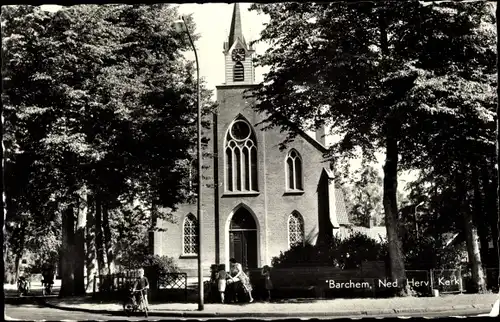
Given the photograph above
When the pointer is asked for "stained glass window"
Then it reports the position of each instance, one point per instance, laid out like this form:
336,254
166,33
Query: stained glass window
241,158
190,235
295,230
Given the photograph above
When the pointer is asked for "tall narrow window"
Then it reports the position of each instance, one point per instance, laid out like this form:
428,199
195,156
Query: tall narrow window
295,230
294,171
238,72
241,158
190,232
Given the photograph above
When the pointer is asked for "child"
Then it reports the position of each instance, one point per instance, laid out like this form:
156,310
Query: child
142,284
266,272
221,281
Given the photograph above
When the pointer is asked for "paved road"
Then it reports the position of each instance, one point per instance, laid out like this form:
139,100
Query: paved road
40,312
32,312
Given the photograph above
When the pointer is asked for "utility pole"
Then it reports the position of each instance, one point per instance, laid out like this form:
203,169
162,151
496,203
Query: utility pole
498,145
181,26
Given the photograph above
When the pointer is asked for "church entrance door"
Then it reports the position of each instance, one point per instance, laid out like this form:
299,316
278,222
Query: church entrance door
243,239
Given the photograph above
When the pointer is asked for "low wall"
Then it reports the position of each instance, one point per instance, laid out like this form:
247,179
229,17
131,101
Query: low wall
318,282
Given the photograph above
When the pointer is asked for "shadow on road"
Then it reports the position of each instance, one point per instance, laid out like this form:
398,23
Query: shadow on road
43,303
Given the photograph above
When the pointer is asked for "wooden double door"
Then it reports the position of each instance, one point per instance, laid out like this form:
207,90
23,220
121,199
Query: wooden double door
243,239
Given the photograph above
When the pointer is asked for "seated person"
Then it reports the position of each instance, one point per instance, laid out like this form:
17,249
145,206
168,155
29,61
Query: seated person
238,276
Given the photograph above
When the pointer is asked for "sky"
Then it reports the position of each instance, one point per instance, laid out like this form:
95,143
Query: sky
213,21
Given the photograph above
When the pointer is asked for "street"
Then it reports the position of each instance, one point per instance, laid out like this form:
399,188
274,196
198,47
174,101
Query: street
40,312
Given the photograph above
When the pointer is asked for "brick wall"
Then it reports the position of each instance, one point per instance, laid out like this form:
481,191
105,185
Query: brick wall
271,207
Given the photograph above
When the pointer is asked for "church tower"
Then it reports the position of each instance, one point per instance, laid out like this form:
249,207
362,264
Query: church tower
238,55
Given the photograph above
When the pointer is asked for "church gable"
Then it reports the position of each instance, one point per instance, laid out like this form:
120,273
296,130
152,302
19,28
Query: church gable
257,200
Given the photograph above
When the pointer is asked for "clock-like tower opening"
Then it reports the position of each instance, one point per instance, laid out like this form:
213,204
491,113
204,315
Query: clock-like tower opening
238,54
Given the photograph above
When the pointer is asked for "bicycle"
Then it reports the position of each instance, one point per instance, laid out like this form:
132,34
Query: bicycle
47,287
131,305
23,286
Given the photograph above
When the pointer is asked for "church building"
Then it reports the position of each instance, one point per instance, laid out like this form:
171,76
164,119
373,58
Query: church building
258,201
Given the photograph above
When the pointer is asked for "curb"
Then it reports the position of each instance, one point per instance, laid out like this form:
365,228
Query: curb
476,307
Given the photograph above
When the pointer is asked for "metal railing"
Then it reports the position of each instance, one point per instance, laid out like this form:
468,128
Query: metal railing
113,282
173,281
447,281
110,283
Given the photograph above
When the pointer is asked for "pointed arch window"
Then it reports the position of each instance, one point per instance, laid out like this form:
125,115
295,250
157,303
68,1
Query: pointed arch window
241,158
238,72
294,180
190,235
295,230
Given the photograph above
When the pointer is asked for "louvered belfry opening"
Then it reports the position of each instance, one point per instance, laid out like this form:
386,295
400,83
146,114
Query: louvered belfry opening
238,72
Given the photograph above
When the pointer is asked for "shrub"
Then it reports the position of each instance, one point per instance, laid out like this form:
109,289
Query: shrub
427,252
159,264
347,254
359,248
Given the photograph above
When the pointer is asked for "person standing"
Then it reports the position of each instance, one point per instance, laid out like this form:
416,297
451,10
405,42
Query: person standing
221,277
238,275
48,278
266,272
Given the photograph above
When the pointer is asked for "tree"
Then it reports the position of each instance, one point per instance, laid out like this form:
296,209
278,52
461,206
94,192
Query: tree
103,104
363,193
365,69
31,210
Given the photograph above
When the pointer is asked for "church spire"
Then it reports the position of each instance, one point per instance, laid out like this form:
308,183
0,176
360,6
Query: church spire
236,31
239,67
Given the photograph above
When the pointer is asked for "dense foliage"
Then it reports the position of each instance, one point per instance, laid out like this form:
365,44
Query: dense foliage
346,253
407,78
158,264
100,110
363,193
422,252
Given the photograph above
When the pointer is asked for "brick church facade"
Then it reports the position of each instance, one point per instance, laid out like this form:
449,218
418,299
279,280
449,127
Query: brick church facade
258,201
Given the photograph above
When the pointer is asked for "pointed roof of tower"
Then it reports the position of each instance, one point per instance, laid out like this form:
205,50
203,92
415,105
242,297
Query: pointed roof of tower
235,31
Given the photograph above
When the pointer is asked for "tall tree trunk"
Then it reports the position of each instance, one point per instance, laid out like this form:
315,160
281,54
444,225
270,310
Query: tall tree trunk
67,256
397,266
472,240
480,217
98,233
6,242
79,267
110,259
19,251
91,261
17,266
489,190
471,236
392,129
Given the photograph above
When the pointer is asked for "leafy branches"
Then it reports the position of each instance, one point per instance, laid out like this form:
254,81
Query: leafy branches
397,76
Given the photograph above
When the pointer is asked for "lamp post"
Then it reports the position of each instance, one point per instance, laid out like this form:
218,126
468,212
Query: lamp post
416,209
181,27
497,15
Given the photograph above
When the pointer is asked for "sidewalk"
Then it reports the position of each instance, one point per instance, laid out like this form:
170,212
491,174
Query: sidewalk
306,307
36,289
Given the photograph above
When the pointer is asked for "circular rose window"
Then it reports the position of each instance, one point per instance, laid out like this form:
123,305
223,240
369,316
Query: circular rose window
240,130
